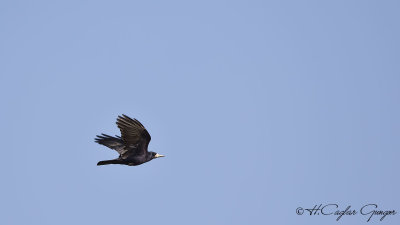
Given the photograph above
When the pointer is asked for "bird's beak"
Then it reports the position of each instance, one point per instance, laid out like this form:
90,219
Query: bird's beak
158,155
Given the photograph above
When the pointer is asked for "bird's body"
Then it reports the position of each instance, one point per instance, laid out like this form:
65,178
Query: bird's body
131,146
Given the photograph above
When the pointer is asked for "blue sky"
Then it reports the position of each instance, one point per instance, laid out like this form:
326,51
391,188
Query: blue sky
260,107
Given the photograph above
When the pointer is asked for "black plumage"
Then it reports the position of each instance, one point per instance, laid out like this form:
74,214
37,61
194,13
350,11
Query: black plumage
131,146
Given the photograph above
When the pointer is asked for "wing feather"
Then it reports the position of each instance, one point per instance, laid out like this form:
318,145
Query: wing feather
115,143
133,134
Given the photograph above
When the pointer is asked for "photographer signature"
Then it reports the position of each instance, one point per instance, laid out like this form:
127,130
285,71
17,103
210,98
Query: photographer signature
369,210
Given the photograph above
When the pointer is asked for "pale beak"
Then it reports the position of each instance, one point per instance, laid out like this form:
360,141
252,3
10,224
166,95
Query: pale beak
158,155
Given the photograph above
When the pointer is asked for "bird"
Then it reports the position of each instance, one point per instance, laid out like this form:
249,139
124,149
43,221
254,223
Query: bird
131,145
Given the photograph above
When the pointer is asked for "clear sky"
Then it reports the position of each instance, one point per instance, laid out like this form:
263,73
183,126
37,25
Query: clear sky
260,107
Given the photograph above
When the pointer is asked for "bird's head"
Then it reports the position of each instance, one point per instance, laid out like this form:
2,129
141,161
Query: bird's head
156,155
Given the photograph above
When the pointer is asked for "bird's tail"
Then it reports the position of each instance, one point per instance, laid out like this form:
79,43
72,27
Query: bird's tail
106,162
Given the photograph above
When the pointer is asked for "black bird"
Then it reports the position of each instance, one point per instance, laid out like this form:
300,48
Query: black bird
131,146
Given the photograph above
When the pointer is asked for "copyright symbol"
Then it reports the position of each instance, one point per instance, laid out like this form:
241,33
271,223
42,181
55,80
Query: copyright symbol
299,211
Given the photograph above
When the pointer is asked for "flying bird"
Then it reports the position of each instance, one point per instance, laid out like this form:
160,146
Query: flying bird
131,146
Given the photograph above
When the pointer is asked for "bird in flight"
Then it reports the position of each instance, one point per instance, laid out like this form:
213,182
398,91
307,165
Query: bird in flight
131,146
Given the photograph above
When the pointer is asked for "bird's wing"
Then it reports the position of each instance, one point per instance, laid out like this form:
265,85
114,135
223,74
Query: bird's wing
133,134
115,143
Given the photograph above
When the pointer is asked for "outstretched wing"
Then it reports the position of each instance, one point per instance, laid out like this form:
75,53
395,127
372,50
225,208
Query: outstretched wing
133,134
115,143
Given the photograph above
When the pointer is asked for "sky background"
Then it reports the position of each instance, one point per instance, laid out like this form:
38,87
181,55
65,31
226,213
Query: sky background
260,107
